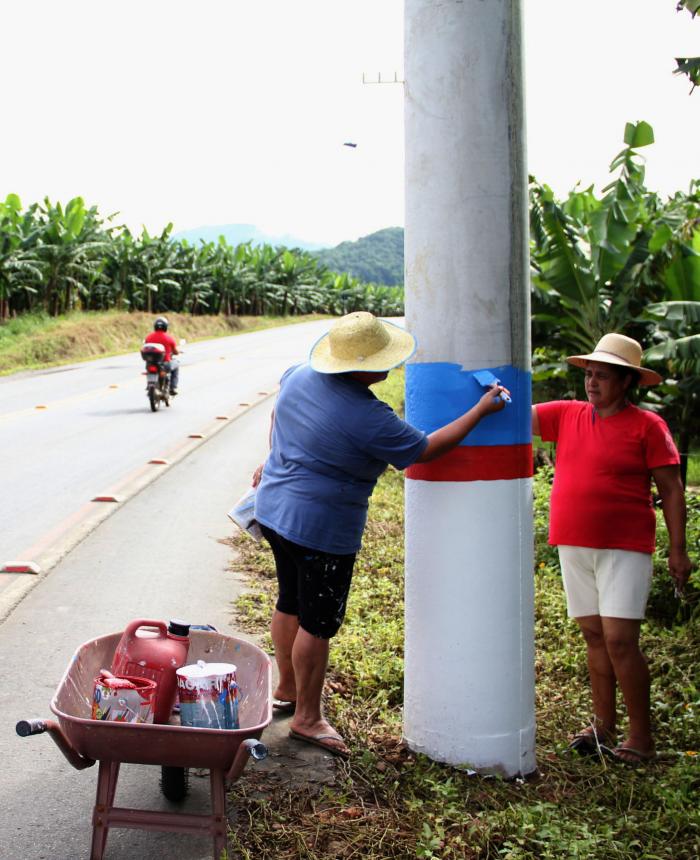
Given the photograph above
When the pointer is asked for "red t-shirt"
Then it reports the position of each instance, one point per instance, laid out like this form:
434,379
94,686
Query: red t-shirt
165,339
601,496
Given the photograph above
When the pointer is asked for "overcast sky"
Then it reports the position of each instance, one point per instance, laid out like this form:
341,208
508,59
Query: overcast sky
236,111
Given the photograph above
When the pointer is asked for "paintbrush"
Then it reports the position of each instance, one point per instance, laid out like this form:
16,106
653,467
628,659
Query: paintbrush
486,379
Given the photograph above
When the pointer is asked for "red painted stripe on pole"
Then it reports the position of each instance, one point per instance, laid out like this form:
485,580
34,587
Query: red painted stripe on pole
477,463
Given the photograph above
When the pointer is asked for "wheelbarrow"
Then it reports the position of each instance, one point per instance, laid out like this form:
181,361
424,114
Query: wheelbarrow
176,748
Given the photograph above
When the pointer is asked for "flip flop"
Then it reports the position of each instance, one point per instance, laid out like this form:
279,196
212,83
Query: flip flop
322,742
284,706
590,742
638,756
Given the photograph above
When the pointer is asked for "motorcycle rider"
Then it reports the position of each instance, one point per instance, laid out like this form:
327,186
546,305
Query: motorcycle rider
160,335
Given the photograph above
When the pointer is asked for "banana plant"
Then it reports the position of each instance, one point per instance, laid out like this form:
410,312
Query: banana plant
590,256
676,348
121,277
228,274
20,268
625,262
689,66
71,243
158,271
295,276
58,257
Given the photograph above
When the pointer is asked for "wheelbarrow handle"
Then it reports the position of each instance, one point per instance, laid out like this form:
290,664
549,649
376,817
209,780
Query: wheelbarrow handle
25,728
249,748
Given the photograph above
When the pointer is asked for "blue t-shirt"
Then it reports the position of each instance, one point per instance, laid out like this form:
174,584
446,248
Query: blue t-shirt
331,440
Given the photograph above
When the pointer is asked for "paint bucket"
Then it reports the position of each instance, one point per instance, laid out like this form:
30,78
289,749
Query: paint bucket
123,700
208,695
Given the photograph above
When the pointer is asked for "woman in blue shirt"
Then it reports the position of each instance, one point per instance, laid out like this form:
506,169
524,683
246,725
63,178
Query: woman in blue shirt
331,439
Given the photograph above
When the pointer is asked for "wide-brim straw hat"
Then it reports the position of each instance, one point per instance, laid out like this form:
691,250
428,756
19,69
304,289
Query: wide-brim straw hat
361,341
622,351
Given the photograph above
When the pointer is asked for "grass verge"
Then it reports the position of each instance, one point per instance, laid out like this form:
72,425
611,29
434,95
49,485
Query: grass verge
37,341
390,804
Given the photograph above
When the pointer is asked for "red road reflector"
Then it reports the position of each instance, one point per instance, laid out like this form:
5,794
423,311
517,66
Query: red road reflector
222,417
20,567
196,436
107,499
159,462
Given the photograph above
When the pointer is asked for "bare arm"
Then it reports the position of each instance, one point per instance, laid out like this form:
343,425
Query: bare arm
535,422
670,487
448,437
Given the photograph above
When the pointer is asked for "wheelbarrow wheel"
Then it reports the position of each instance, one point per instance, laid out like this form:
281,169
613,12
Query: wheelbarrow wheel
174,782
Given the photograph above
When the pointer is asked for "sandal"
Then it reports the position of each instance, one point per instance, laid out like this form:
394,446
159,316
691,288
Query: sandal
590,741
331,742
631,756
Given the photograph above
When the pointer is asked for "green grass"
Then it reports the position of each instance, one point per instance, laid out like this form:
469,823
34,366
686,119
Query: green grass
36,341
390,803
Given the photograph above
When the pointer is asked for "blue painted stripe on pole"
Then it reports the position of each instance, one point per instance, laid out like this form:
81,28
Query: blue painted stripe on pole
438,392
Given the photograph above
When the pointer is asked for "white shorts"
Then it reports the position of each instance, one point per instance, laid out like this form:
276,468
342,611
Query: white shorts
614,583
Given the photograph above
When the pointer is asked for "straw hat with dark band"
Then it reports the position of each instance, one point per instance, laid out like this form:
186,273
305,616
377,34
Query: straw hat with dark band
619,350
360,341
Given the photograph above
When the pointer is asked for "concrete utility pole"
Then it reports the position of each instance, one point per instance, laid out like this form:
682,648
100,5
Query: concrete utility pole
469,688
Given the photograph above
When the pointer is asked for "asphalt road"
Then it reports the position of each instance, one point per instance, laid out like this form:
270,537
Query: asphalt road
159,554
73,433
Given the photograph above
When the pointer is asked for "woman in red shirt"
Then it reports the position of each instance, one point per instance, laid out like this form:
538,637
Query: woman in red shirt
602,520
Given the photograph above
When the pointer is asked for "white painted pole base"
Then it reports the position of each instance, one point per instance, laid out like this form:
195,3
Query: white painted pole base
469,666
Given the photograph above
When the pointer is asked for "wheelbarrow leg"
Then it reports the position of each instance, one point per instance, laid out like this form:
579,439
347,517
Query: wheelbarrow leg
218,811
104,800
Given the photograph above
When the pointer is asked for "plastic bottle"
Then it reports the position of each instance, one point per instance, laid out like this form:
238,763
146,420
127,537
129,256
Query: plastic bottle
156,654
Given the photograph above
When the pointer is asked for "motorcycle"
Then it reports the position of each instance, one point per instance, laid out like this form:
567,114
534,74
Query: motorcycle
157,375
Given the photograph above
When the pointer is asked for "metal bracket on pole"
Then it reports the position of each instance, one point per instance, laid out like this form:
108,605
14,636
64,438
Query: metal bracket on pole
396,79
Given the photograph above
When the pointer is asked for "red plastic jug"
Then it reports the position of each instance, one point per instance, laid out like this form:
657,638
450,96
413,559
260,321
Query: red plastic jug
156,653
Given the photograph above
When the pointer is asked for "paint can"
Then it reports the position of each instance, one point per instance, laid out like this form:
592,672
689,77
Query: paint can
123,700
208,695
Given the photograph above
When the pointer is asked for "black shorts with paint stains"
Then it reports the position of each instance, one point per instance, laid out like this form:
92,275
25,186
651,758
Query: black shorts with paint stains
313,585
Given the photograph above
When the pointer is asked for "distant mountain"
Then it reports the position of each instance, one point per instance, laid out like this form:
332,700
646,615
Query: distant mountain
377,258
237,234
